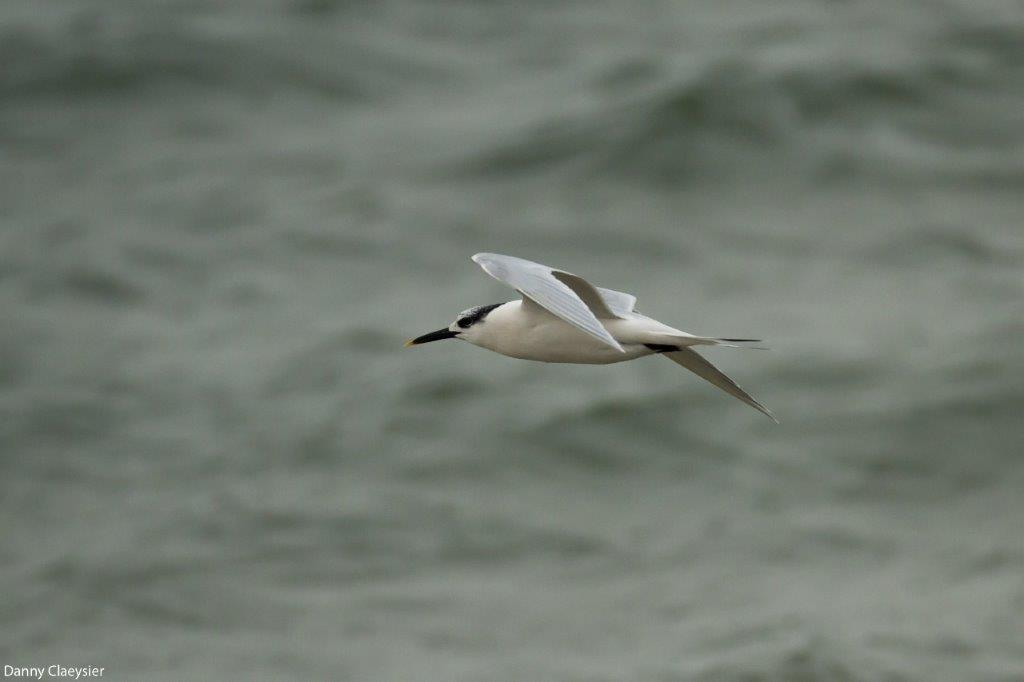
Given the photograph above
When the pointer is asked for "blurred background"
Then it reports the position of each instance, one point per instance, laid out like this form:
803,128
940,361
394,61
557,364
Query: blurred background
220,220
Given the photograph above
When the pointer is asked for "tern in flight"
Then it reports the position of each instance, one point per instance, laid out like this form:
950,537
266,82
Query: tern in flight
564,318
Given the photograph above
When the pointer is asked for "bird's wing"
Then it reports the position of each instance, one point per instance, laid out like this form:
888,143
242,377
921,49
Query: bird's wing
695,362
562,294
619,303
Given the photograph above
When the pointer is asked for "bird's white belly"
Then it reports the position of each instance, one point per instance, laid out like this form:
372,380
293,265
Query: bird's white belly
548,339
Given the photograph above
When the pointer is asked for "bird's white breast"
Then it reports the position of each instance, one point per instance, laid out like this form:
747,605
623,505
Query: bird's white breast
530,333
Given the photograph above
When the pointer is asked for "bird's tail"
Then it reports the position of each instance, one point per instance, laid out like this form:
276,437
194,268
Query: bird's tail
685,340
733,343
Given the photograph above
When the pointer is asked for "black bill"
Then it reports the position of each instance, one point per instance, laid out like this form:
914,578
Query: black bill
432,336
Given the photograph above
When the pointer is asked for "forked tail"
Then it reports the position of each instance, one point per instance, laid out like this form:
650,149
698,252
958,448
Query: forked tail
666,341
734,343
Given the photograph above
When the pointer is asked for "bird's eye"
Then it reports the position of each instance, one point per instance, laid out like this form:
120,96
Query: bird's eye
463,322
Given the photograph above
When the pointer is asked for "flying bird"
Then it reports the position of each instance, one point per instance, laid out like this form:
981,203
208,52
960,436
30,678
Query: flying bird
564,318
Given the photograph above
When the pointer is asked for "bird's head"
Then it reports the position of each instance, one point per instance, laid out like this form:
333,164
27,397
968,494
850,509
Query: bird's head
468,326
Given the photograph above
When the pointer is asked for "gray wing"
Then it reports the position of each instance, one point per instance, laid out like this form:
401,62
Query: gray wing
562,294
696,363
619,303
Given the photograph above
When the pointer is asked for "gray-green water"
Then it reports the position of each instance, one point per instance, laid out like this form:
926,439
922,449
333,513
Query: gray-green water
220,220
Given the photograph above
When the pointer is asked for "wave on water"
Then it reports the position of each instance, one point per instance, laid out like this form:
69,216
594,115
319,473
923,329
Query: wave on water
827,117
